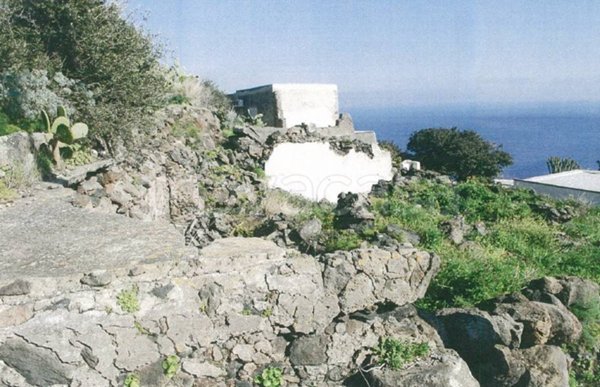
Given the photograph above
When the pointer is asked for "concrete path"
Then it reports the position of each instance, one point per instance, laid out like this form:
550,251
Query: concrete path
45,236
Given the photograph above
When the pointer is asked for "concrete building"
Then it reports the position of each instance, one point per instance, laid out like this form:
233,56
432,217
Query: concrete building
582,185
285,105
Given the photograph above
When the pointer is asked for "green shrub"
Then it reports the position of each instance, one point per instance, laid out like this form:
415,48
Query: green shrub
186,89
459,154
270,377
395,354
438,197
88,41
482,201
28,92
6,127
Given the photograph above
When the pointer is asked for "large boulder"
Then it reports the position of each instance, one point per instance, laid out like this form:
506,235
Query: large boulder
363,278
515,341
446,370
17,149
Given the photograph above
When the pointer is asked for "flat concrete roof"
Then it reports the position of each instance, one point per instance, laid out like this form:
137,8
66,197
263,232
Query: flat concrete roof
291,86
581,179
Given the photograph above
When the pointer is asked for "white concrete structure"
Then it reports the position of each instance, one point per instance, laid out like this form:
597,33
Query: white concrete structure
582,185
410,165
289,104
316,172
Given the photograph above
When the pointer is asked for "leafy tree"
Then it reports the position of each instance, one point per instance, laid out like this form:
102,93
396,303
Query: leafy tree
90,42
457,153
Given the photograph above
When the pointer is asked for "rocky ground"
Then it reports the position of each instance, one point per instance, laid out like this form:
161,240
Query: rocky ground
132,276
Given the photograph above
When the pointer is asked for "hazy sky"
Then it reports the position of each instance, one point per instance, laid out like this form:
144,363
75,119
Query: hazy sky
391,53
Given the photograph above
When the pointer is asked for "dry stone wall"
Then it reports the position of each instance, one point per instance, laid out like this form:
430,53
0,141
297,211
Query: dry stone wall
243,304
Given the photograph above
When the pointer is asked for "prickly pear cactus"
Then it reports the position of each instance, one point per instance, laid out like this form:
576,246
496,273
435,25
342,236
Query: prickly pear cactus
60,133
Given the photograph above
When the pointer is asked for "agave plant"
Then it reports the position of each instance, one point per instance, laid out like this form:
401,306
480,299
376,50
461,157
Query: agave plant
60,133
558,164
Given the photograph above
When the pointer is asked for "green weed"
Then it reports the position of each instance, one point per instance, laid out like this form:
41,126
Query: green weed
132,380
270,377
395,354
170,366
128,300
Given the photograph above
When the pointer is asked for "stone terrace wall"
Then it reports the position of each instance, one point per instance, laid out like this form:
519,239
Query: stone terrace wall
242,305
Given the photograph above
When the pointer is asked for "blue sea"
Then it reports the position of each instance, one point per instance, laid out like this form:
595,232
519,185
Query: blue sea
530,137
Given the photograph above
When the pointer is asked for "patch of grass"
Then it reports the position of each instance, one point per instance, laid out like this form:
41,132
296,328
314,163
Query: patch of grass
185,128
533,240
342,240
470,276
140,328
17,177
395,354
7,194
585,368
398,211
277,201
260,173
228,133
521,243
128,300
270,377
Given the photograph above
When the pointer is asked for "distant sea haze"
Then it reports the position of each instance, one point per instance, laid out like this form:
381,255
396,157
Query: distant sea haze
529,137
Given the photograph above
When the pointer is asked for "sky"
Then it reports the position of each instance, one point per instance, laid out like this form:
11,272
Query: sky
387,53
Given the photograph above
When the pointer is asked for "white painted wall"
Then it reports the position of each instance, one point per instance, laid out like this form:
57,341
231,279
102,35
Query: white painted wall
316,172
556,192
307,103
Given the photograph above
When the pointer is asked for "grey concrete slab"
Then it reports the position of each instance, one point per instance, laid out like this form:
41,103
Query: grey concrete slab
44,236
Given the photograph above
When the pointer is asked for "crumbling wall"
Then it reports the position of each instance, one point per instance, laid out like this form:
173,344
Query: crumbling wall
315,171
